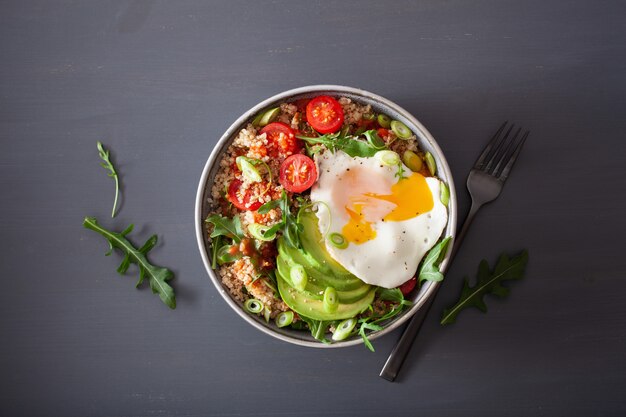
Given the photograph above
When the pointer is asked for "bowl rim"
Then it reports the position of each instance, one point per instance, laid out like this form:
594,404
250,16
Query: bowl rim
442,165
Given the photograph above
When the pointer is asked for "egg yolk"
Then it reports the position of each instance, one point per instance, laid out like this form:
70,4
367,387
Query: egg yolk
410,197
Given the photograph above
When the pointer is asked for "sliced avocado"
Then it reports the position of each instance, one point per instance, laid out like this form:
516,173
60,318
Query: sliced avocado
325,275
313,243
315,287
314,309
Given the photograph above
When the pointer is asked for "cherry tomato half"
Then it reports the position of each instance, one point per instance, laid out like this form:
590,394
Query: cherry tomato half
298,173
242,202
324,114
408,286
282,139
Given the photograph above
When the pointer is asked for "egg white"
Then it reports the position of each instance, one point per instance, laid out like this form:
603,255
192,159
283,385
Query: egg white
393,255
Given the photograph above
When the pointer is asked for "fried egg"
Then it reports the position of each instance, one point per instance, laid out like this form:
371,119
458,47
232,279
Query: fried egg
389,216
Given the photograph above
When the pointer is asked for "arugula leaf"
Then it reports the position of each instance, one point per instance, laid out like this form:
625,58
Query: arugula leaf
487,282
226,227
368,326
430,266
107,164
341,141
318,328
289,223
157,276
392,294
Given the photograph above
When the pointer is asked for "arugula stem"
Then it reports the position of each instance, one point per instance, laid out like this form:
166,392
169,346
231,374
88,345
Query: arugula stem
117,190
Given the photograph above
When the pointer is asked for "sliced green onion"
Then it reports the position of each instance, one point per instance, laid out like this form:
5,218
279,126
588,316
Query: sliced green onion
344,329
257,119
444,194
284,318
269,116
412,160
369,116
259,232
401,130
247,169
389,158
254,306
338,240
374,140
331,300
430,162
227,254
267,313
384,121
299,277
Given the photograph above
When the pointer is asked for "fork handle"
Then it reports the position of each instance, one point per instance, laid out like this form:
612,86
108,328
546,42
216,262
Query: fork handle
398,354
458,239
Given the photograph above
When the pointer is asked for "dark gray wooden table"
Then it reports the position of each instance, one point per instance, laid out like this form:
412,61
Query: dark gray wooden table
158,82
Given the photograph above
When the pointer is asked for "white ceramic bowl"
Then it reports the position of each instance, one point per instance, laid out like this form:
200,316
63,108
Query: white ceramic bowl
380,105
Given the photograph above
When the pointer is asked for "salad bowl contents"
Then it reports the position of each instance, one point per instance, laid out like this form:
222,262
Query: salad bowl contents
323,215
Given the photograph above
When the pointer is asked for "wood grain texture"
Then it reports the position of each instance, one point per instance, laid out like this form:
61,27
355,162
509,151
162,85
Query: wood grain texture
158,83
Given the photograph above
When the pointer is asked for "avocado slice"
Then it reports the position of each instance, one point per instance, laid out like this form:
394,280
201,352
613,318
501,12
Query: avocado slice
317,284
323,271
313,244
314,309
317,273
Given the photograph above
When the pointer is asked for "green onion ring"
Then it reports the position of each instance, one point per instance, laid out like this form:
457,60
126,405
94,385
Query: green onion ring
284,318
389,158
344,329
331,300
298,277
254,306
338,240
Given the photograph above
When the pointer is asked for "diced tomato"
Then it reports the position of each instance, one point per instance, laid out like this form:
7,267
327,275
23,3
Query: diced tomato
298,173
282,139
324,114
383,133
242,202
408,286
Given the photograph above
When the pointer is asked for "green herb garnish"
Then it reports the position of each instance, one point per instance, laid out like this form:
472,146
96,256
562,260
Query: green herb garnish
223,227
289,224
107,164
487,282
430,265
318,328
157,276
349,144
374,322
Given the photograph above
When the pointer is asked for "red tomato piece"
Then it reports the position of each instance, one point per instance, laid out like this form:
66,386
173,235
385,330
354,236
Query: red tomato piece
242,202
324,114
282,139
383,133
408,286
298,173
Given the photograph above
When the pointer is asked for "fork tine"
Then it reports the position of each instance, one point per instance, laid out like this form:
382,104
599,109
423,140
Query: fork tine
504,153
511,161
491,158
481,159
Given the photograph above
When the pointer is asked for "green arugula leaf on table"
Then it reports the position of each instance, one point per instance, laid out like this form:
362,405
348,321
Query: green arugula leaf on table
157,276
487,282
